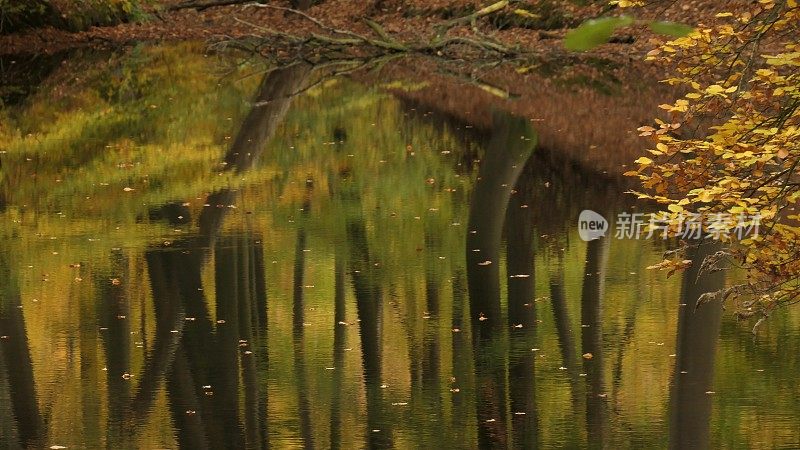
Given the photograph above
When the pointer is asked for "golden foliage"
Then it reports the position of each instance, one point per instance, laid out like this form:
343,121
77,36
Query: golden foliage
731,147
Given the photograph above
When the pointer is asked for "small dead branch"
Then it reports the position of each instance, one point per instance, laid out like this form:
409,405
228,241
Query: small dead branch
329,39
472,18
200,6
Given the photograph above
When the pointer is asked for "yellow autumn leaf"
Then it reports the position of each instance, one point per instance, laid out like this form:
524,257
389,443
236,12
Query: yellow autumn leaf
675,208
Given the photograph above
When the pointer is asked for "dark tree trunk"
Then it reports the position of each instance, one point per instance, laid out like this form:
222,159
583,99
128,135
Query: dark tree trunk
504,159
592,339
698,332
17,363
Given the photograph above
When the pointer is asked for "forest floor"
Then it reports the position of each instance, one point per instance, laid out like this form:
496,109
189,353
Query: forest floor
407,19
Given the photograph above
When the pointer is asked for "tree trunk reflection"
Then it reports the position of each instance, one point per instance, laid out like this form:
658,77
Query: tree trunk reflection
698,331
506,153
592,339
522,311
17,363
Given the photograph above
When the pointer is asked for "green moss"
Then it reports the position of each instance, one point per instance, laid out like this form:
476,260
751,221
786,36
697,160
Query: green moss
73,15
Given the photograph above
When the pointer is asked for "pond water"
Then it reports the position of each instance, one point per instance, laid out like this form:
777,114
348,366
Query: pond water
199,254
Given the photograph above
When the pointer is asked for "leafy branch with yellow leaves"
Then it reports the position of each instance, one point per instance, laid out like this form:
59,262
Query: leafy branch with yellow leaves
731,147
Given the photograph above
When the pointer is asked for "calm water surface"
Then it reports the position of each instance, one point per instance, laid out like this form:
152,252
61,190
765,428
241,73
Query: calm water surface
199,258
